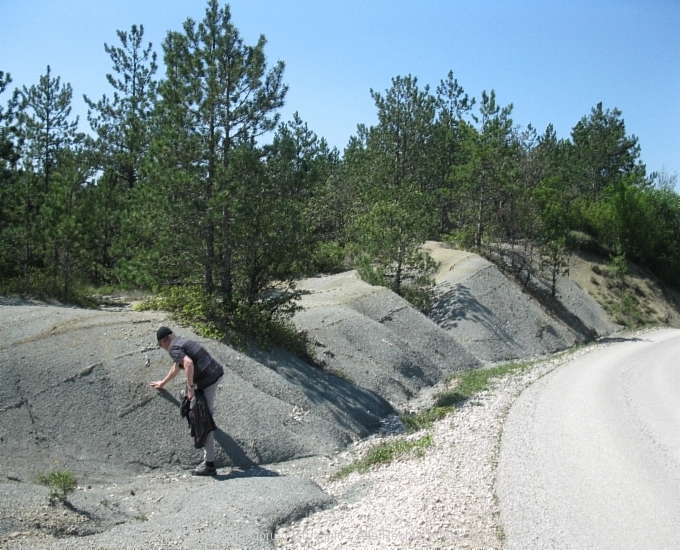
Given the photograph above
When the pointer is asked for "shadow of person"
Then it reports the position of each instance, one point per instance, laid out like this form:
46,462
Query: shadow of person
255,471
235,453
243,465
165,394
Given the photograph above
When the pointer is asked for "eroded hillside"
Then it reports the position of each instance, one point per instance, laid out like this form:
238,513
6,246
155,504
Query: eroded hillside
75,384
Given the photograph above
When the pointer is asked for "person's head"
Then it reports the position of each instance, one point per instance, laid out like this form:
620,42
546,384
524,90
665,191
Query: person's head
164,336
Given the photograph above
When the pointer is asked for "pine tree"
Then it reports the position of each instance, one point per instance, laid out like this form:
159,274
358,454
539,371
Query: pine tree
47,130
218,96
453,105
62,216
602,152
488,167
402,139
395,216
9,157
123,124
46,134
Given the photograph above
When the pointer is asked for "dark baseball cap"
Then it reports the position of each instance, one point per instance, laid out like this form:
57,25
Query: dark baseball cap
163,332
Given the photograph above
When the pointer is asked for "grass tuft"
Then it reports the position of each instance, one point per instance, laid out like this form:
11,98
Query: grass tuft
466,384
415,422
385,453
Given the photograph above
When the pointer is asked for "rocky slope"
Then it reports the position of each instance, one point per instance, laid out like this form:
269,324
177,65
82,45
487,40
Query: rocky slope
75,395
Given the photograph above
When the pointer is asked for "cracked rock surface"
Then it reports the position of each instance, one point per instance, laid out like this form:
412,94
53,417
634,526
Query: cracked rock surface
75,394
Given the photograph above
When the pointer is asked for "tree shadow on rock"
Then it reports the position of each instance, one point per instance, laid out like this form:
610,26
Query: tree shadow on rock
355,410
619,339
459,304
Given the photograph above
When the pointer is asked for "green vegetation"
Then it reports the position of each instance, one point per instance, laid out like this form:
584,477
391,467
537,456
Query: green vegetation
192,189
621,297
465,385
627,310
243,324
385,452
61,484
461,388
424,419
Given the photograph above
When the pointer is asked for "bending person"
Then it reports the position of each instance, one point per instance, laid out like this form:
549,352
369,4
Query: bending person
202,373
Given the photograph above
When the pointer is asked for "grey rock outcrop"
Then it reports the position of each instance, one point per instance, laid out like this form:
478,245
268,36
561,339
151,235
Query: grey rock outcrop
75,394
376,338
490,315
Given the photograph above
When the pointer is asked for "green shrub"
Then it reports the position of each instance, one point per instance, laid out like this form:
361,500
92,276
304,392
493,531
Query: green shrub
339,374
240,324
61,484
328,257
618,266
626,310
463,239
38,284
189,305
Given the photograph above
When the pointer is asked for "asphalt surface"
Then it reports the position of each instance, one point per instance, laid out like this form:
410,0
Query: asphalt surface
590,454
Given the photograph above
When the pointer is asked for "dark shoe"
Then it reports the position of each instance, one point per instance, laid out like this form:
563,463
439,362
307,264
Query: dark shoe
203,469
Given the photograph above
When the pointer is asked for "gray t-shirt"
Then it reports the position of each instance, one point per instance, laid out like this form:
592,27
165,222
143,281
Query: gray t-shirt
206,369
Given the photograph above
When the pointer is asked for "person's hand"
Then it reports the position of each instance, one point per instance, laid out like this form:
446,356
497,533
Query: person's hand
190,393
158,384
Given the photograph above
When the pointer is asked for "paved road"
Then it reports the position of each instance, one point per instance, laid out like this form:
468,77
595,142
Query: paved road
590,454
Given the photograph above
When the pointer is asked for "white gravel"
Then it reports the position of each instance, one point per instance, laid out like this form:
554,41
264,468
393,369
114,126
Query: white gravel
444,499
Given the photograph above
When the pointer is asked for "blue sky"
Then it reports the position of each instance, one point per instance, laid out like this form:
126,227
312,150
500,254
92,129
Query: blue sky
553,59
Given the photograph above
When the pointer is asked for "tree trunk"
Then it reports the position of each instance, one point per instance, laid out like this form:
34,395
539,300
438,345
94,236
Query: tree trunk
227,290
209,257
480,226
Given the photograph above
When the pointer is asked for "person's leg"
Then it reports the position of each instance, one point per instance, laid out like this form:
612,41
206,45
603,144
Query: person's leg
209,449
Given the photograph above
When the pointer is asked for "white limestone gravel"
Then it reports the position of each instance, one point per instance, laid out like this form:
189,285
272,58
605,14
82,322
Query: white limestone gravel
444,499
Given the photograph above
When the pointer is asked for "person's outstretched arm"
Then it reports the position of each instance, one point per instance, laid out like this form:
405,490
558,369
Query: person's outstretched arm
174,371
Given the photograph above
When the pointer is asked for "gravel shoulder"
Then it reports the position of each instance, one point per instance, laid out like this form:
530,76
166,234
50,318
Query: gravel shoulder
444,499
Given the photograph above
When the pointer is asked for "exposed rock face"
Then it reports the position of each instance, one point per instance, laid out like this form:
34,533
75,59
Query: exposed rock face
75,391
376,338
75,394
495,320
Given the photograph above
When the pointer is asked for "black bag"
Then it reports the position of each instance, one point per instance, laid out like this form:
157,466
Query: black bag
200,419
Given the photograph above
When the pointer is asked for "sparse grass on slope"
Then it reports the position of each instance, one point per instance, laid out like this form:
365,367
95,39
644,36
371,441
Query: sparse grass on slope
386,452
463,386
415,422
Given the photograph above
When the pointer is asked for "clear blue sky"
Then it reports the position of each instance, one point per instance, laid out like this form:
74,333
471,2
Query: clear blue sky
553,59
